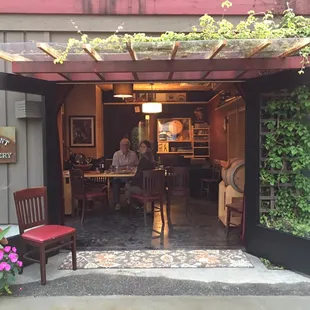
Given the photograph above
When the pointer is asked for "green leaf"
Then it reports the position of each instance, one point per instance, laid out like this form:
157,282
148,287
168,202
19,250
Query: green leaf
4,232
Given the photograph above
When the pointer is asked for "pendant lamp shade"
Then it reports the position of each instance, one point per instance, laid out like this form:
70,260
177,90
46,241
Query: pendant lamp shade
122,90
152,107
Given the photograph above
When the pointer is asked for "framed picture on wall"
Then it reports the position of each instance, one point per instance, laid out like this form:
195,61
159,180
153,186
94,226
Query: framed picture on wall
82,131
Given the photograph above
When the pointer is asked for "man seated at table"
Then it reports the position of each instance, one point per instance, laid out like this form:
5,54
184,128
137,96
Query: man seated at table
123,157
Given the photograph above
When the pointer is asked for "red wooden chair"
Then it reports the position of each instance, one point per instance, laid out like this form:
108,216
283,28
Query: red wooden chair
178,185
31,209
153,191
85,194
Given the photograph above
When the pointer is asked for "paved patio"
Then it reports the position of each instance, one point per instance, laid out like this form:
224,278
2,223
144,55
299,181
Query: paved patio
158,302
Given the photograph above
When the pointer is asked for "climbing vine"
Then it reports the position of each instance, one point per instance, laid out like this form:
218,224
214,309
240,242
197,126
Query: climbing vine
254,26
286,162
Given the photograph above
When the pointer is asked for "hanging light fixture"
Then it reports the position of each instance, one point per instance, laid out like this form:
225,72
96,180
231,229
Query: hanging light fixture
151,107
122,90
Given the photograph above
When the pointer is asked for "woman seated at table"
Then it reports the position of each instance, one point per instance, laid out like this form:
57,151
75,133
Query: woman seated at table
146,162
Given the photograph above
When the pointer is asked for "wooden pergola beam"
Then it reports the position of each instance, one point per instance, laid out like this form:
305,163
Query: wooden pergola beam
217,49
298,46
100,76
172,56
91,52
47,49
80,78
189,65
131,51
10,57
133,56
212,55
65,76
254,52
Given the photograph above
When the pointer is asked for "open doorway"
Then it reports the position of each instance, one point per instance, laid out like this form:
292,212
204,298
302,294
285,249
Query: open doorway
212,117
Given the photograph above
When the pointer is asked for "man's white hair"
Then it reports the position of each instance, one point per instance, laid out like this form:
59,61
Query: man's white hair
125,141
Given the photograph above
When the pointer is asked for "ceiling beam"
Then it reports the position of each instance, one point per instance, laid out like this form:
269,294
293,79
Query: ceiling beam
91,52
216,76
254,52
50,51
133,56
10,57
47,49
221,44
191,65
100,76
298,46
172,56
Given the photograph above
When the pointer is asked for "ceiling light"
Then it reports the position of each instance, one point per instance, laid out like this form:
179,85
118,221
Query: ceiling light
123,90
151,107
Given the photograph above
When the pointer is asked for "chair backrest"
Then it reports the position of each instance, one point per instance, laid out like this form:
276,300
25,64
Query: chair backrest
31,207
178,179
216,172
108,163
237,200
153,182
77,182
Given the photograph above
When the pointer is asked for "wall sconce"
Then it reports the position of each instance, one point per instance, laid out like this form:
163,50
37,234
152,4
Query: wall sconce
225,124
122,90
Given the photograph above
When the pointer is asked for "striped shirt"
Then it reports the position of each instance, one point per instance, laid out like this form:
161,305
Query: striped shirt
120,159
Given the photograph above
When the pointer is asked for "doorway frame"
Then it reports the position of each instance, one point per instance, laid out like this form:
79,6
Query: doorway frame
279,247
52,175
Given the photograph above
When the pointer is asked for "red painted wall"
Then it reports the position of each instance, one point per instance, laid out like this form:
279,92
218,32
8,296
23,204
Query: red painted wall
218,138
148,7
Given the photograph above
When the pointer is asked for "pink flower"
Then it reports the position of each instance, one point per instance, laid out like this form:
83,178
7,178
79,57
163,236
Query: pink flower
5,266
19,263
13,257
7,249
1,255
14,249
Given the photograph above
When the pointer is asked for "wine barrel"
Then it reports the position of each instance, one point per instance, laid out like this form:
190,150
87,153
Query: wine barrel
235,174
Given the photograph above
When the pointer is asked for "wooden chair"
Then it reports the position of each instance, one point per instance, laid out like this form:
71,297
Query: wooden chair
85,194
236,206
31,209
178,185
153,191
215,178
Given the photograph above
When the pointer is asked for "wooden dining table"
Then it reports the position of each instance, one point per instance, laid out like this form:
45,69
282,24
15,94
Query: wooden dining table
108,176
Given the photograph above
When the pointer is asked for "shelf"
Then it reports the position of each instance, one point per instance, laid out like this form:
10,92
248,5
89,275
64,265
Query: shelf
201,147
171,141
197,156
185,152
230,102
163,102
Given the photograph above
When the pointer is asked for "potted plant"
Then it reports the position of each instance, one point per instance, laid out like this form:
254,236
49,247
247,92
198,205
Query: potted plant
9,263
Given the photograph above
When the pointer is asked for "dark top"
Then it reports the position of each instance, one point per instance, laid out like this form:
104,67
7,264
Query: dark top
143,165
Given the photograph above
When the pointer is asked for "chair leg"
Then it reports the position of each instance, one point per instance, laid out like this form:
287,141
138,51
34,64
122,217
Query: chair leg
168,206
187,210
144,211
73,250
130,209
228,214
162,212
83,211
43,265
